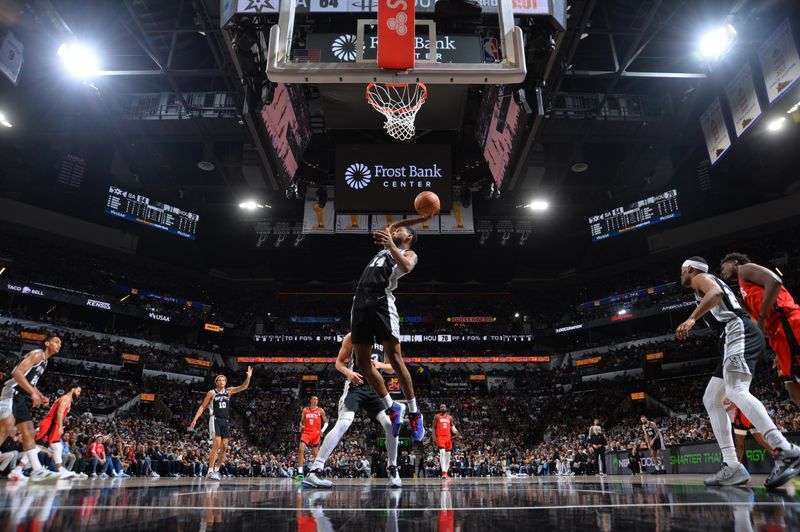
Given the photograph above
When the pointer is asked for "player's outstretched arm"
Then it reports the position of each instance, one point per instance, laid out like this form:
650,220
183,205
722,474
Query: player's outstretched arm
712,295
207,399
245,385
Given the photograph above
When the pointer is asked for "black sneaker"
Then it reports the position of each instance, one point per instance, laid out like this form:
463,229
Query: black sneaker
394,477
787,466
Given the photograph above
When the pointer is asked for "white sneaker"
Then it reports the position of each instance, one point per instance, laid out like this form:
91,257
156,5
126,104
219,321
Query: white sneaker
394,477
104,476
17,474
154,475
65,473
213,476
314,481
44,474
81,476
94,475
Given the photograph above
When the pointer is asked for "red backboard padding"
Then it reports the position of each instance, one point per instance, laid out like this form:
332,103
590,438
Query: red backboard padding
396,34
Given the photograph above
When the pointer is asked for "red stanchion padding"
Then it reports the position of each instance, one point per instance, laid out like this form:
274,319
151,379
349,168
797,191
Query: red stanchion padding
396,34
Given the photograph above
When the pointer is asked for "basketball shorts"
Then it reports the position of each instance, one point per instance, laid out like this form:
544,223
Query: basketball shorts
742,425
361,398
311,439
657,444
219,428
6,407
742,345
48,433
23,405
786,344
444,442
374,318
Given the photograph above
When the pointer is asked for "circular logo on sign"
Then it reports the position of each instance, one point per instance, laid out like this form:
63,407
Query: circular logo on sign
357,176
344,47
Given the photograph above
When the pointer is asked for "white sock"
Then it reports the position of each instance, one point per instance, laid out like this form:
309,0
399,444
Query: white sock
33,458
387,401
391,441
738,390
332,439
712,399
447,460
441,460
58,450
412,406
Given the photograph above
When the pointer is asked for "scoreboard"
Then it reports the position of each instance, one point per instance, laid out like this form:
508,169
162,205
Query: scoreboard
642,213
143,210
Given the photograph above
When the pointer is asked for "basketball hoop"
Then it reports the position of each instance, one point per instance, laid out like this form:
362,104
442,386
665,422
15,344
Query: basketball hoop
399,103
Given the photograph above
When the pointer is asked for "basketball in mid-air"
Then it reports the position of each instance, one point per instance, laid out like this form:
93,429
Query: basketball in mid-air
427,203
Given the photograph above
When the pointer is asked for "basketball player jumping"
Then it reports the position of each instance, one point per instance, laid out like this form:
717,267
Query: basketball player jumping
313,422
51,428
374,318
18,398
655,444
742,346
444,429
355,397
219,429
776,312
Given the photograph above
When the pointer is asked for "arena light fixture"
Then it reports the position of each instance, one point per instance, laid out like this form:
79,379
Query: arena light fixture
251,205
79,60
4,121
622,312
776,269
2,270
777,124
716,42
538,205
516,314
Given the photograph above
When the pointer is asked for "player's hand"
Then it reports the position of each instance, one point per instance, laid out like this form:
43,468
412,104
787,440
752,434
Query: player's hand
192,424
249,371
38,399
683,329
356,378
383,238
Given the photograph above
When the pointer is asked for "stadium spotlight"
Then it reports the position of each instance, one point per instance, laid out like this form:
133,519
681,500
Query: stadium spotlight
2,270
622,312
538,205
4,121
251,205
79,60
516,314
777,124
715,43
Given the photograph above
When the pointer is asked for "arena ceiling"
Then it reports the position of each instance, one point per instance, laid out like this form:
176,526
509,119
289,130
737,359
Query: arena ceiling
615,53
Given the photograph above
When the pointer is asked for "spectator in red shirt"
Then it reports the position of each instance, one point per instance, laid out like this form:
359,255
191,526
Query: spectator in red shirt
97,455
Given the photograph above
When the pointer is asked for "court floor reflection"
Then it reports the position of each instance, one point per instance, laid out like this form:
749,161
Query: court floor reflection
613,503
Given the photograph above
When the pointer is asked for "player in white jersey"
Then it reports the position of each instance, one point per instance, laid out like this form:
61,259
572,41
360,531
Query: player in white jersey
357,396
19,397
742,345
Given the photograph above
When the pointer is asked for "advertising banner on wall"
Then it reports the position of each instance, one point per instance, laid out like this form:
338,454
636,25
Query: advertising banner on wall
352,223
742,98
779,60
715,131
382,178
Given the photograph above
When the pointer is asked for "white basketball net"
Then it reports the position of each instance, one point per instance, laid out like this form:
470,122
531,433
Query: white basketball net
399,103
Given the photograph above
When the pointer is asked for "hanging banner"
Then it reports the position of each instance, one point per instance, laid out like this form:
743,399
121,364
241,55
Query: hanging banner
36,337
715,131
11,57
654,356
458,221
637,396
147,397
130,357
316,219
382,221
741,92
352,223
779,60
428,227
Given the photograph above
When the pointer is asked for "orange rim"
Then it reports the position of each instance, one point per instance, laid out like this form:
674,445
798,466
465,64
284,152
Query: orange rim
423,96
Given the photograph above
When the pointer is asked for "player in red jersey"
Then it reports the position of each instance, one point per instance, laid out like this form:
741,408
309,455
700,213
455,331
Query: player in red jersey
313,422
51,428
776,312
444,429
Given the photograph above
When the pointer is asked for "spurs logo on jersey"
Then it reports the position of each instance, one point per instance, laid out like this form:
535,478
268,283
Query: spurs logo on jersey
220,404
381,274
32,375
726,310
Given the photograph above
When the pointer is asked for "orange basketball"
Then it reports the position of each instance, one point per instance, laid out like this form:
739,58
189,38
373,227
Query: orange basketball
427,203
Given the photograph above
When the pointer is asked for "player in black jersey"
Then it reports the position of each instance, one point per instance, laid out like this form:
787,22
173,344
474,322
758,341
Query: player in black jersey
374,318
655,444
19,397
219,429
356,396
742,344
